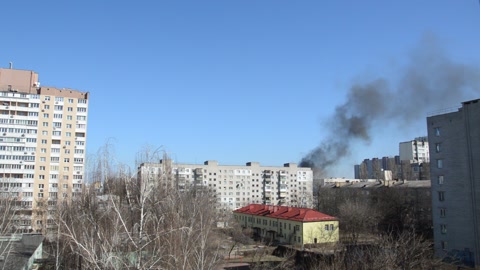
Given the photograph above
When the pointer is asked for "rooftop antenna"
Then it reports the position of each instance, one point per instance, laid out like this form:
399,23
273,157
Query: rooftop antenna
11,65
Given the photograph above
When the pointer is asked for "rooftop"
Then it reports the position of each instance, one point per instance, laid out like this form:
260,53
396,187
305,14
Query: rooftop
284,212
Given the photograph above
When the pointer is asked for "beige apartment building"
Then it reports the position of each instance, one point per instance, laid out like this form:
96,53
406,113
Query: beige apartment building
235,186
42,146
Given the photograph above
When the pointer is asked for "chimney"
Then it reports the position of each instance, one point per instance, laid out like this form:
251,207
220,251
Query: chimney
11,65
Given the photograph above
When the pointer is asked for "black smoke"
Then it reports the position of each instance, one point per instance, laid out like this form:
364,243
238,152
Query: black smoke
429,81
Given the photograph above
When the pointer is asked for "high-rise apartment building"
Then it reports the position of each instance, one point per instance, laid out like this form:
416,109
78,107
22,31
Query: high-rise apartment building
415,151
454,139
42,146
236,186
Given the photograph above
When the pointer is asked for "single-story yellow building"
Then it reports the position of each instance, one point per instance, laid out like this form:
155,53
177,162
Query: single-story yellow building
291,225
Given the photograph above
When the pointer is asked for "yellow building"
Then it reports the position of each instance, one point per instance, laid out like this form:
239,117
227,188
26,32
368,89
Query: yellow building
42,147
290,225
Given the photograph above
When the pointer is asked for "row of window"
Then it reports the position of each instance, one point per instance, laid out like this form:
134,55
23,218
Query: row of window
60,99
14,157
7,121
57,160
17,148
18,130
17,166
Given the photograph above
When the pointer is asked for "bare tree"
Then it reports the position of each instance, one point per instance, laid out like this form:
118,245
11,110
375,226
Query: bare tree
357,218
139,226
363,171
8,224
394,167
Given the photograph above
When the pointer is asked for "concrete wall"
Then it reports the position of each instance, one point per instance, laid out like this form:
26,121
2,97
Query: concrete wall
455,143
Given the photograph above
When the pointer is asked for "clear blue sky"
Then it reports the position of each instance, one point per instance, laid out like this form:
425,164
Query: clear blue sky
232,81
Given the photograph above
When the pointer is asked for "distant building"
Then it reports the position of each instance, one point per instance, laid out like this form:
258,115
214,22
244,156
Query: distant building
42,146
374,168
454,137
290,225
415,151
414,196
235,186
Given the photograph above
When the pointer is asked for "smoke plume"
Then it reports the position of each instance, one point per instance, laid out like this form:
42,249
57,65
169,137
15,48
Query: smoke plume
429,81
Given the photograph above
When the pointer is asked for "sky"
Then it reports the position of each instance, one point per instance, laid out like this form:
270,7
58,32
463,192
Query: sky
233,81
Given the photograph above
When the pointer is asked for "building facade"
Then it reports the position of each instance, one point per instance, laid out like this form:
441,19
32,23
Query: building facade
42,146
235,186
454,139
374,168
415,151
290,225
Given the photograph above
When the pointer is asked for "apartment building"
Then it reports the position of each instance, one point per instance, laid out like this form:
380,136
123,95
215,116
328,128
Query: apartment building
42,146
454,138
415,151
235,186
290,225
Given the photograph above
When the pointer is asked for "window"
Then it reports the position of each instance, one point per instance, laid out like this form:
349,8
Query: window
441,196
439,163
69,117
66,160
45,115
326,227
444,245
41,185
443,212
331,227
70,100
437,131
440,179
43,150
437,147
45,133
40,195
68,134
44,141
45,124
443,228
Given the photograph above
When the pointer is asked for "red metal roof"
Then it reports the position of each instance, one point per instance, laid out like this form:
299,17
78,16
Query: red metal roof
284,212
